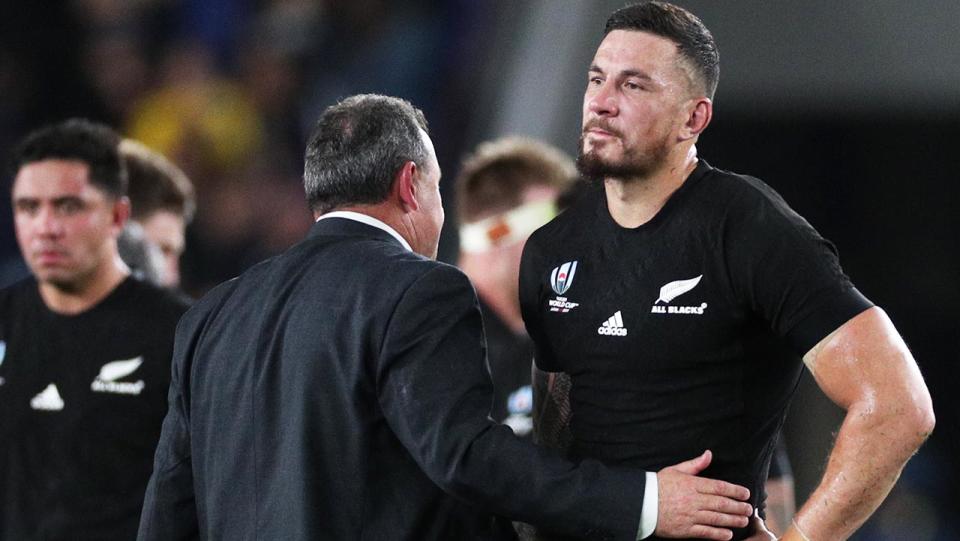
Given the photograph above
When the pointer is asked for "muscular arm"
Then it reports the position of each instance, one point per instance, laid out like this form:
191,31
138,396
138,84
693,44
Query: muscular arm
866,368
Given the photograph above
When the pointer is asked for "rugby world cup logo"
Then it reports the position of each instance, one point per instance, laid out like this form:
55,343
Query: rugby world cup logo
562,277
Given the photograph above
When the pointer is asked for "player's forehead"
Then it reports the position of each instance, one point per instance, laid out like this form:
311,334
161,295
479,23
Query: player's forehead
163,226
636,51
54,178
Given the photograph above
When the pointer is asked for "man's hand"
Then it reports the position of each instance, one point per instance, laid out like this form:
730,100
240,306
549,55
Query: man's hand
692,506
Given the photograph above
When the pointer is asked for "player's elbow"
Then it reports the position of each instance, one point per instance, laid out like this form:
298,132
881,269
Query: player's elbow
922,418
914,419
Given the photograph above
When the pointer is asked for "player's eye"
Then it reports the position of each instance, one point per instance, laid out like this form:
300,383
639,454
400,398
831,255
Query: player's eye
26,207
69,206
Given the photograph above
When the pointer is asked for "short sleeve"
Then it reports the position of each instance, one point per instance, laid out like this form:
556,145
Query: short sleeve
531,306
785,272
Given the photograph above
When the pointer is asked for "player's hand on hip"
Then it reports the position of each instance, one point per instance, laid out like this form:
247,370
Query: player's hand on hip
692,506
760,531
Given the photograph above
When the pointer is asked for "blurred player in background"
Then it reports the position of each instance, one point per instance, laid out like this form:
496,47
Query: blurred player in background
84,348
163,203
505,190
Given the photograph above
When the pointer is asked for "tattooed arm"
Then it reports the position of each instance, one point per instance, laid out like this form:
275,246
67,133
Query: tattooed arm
551,409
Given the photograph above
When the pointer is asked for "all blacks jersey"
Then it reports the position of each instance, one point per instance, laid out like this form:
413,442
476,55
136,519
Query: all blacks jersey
685,333
82,398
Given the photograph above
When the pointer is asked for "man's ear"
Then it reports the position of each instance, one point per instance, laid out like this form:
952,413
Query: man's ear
699,114
120,213
405,186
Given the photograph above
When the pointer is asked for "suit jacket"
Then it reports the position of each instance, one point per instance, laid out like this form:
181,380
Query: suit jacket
340,391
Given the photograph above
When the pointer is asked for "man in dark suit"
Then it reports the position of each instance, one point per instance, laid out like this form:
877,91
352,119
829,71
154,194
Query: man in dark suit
340,390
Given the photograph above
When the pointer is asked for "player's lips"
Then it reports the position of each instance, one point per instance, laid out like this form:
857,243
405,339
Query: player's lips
598,129
597,132
49,257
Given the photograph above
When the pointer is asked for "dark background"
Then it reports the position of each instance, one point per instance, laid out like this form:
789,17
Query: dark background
851,110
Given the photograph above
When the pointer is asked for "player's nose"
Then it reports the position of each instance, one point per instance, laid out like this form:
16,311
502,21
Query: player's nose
48,224
603,102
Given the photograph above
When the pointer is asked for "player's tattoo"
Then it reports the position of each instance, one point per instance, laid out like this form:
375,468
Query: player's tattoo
551,409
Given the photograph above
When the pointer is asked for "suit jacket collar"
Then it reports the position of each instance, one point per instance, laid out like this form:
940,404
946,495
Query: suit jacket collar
349,224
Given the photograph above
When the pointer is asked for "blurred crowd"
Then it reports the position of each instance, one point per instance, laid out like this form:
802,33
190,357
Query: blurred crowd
227,89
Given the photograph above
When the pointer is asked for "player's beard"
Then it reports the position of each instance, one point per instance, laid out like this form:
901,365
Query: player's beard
634,165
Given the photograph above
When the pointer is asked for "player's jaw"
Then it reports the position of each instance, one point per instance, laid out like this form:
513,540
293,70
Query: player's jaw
67,264
50,257
601,156
55,265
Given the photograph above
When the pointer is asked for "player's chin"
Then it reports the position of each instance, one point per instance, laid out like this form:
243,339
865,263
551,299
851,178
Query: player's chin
595,164
55,275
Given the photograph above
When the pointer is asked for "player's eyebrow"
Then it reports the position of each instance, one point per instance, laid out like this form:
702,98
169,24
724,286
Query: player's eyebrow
67,199
625,73
636,73
25,201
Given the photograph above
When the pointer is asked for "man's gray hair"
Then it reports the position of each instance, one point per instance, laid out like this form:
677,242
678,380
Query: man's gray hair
357,148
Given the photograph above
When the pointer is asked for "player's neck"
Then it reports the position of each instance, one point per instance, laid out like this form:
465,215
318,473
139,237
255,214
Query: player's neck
635,202
87,292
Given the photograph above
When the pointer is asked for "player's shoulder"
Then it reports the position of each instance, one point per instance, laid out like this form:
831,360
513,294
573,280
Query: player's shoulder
158,301
749,207
19,291
738,191
20,300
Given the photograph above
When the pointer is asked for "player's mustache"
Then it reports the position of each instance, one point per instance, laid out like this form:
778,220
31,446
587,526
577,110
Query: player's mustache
601,124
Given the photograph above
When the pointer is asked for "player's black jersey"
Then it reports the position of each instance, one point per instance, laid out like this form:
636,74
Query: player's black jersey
82,398
683,334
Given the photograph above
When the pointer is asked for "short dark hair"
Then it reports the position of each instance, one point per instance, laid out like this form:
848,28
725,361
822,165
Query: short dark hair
80,140
356,149
494,177
155,183
694,42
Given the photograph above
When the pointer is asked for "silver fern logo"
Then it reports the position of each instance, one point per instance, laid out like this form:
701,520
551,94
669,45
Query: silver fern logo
562,277
673,290
106,380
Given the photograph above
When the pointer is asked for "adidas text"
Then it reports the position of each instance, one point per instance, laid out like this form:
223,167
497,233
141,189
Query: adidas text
613,326
607,331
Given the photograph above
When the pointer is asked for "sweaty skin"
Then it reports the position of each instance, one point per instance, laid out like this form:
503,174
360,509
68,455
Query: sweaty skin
865,368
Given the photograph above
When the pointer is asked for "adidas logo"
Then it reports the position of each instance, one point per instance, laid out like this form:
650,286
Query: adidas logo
613,326
48,400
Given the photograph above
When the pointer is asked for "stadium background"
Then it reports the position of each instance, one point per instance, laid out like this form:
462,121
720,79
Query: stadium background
850,109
